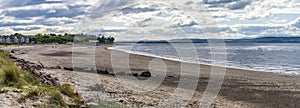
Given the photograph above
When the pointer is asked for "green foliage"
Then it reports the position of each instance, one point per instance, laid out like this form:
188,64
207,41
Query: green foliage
9,73
29,78
57,100
104,39
52,38
3,90
67,90
12,76
4,54
36,92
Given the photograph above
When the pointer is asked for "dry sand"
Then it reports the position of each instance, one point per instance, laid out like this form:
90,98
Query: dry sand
241,88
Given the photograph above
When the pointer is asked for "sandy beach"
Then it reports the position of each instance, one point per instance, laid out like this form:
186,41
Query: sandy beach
240,89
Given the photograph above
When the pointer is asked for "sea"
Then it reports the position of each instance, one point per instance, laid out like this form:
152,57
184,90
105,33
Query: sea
267,57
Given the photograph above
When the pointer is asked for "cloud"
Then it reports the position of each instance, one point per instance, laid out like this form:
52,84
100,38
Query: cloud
153,18
19,3
218,1
46,10
238,4
295,23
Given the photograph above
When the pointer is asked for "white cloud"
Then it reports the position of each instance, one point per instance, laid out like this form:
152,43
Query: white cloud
152,18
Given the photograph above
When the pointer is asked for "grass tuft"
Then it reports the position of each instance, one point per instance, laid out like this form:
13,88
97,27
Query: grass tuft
56,99
67,90
12,76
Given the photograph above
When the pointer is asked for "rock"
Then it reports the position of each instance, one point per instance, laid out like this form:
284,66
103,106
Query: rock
55,67
170,76
42,66
12,51
135,74
68,68
12,57
146,74
102,72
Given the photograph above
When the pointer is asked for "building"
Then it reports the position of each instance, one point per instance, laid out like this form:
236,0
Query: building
14,39
1,39
8,39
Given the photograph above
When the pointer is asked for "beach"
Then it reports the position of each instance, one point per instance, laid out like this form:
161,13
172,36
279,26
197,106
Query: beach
240,88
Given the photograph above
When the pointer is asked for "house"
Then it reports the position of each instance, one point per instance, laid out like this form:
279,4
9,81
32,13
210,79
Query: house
16,39
23,39
7,39
27,40
1,39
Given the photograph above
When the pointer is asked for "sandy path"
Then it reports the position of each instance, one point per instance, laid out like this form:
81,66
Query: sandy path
241,88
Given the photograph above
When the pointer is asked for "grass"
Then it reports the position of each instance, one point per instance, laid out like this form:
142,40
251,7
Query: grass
12,76
67,90
9,72
3,90
56,99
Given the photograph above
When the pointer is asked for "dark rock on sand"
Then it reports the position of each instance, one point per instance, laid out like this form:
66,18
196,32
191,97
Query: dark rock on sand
13,51
55,67
102,71
135,74
146,74
68,68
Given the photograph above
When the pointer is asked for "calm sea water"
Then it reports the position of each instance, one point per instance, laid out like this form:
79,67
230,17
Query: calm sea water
270,57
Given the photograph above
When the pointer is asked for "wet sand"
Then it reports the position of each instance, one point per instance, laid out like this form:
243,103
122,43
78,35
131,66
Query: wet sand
240,88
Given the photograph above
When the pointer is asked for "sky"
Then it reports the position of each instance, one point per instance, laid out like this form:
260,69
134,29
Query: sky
153,19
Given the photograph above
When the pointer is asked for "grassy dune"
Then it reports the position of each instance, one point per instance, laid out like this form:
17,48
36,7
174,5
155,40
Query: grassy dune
28,87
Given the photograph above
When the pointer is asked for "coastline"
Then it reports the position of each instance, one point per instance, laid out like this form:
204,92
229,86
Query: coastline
202,63
241,88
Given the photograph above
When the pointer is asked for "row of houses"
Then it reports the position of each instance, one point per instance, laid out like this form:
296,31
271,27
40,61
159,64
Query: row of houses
14,39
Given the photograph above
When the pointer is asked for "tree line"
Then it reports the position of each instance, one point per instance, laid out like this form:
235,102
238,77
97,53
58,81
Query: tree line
65,38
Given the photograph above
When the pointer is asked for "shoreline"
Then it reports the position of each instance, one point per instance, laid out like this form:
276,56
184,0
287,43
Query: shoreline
202,63
241,88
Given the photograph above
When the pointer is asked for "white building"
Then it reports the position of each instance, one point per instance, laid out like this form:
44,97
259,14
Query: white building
16,39
1,39
7,40
27,40
22,39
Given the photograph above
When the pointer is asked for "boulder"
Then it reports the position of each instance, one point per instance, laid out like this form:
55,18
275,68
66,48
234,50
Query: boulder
68,68
102,71
135,74
146,74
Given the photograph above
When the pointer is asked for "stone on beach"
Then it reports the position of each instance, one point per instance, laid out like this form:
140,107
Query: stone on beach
146,74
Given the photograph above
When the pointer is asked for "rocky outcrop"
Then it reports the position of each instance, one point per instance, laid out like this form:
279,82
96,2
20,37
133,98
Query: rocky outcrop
34,69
